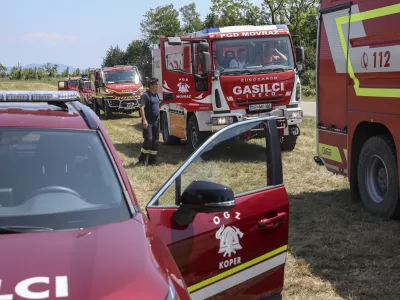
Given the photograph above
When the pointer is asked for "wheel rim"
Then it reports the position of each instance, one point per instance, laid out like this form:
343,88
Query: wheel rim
376,179
165,129
194,138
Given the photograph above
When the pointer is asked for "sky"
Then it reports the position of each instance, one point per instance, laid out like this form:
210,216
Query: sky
75,33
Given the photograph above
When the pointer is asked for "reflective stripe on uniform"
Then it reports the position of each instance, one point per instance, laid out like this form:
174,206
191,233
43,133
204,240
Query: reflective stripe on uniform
359,17
145,151
238,274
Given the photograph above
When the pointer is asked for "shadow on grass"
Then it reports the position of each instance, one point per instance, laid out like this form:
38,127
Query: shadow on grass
356,252
116,116
177,154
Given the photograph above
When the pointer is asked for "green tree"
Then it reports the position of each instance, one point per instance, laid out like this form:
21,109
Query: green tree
191,18
233,13
138,53
41,73
114,56
29,73
65,73
162,20
76,73
3,71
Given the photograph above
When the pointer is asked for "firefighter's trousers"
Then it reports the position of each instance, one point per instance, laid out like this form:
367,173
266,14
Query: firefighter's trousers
150,144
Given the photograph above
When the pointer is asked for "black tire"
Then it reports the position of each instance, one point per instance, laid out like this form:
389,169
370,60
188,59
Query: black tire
195,136
378,177
107,110
289,143
167,138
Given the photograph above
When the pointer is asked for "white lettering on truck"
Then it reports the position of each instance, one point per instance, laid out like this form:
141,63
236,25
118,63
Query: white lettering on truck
266,89
22,289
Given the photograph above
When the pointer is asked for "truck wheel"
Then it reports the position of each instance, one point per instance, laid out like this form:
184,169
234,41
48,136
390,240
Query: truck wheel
107,110
378,178
289,143
195,136
167,138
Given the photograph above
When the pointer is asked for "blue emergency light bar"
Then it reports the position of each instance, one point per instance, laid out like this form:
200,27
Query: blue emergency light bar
39,96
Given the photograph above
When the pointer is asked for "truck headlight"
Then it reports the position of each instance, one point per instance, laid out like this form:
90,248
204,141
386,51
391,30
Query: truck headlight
108,91
172,294
216,121
295,115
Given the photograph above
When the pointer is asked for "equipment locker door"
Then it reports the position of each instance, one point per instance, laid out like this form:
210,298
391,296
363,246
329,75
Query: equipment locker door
332,86
230,244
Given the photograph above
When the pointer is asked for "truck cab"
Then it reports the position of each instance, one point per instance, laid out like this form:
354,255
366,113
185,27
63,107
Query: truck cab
117,89
220,76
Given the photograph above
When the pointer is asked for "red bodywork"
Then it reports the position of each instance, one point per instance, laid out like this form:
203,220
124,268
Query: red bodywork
134,258
359,99
240,91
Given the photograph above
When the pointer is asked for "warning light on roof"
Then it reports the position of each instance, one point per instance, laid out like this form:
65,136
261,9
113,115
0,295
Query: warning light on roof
39,96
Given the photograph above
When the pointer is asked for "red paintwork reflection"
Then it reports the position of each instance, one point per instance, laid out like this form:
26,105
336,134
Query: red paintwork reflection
33,115
110,262
195,248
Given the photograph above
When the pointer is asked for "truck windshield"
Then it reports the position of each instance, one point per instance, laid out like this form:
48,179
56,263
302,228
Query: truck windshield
73,82
58,179
253,55
122,76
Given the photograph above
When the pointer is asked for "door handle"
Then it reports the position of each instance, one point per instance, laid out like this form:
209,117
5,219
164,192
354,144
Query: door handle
272,222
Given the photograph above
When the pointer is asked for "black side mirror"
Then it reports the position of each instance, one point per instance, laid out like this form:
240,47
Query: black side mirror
300,54
101,84
203,197
205,62
301,67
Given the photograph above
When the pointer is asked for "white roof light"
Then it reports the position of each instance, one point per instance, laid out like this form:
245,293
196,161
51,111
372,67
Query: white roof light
39,96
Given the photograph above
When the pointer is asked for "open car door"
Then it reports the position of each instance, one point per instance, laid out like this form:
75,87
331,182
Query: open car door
224,215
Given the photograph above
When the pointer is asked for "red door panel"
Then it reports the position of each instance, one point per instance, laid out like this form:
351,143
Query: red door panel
239,253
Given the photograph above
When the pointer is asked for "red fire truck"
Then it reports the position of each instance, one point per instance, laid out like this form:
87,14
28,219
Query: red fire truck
358,84
117,89
206,85
80,84
69,83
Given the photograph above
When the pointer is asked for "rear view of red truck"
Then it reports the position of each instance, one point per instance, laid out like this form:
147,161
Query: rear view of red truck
358,91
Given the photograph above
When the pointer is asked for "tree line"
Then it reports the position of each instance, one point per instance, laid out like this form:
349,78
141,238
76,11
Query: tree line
48,70
299,15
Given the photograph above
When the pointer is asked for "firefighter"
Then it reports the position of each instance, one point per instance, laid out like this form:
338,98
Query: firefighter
272,55
150,113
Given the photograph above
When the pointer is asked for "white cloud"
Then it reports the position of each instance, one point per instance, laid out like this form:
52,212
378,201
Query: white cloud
53,38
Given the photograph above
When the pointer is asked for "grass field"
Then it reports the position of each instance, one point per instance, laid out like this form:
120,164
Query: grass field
336,250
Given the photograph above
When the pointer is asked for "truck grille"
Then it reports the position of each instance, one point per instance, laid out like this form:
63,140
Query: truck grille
247,102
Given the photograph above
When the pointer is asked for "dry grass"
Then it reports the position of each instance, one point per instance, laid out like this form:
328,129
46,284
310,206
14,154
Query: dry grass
337,251
34,85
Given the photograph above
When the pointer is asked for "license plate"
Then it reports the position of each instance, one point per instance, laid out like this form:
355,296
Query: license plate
129,105
263,106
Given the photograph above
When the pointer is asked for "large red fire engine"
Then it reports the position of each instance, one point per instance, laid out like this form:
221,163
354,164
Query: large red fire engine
117,89
80,84
358,84
206,85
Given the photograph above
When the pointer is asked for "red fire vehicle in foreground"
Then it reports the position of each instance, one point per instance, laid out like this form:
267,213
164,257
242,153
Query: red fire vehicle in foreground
71,226
117,89
358,86
206,86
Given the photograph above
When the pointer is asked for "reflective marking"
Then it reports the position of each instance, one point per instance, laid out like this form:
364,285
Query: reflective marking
358,17
329,152
240,277
345,153
262,261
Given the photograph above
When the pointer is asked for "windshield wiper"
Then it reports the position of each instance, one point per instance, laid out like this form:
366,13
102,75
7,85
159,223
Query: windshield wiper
23,229
236,72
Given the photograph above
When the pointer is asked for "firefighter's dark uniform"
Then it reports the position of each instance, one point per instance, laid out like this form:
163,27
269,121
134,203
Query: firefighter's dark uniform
151,133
